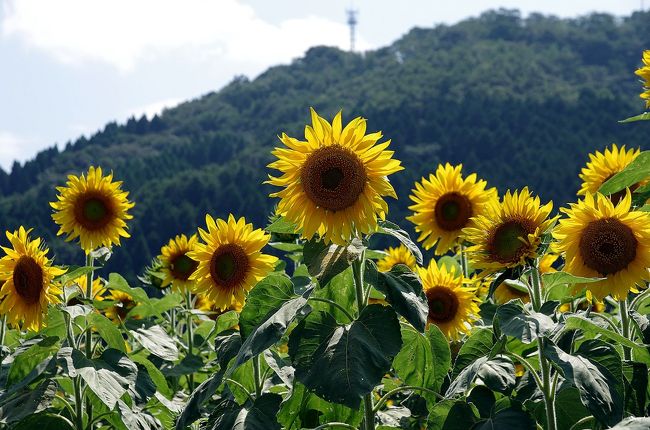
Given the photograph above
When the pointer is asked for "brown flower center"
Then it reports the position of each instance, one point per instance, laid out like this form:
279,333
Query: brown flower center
123,307
229,265
93,211
182,267
28,279
607,246
443,304
509,241
453,211
333,178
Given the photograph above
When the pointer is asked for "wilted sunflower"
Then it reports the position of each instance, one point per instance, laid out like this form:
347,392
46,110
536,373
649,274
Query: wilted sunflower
606,241
122,306
644,73
394,256
452,307
176,265
334,181
445,204
92,208
230,261
509,233
603,166
26,275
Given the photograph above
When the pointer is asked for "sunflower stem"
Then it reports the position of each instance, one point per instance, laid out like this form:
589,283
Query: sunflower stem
625,326
190,338
547,389
90,262
3,332
463,261
357,269
256,375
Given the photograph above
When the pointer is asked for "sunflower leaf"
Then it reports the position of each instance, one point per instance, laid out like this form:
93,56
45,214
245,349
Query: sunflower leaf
392,229
155,340
636,171
641,117
522,323
260,416
341,363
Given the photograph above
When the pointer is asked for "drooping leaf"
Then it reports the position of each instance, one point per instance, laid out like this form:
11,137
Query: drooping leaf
403,290
341,363
392,229
498,374
155,374
228,415
326,261
550,280
156,340
108,331
526,325
200,395
15,408
118,283
577,322
633,423
28,357
44,421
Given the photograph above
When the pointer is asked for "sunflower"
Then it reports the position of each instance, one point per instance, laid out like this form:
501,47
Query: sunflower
334,181
122,306
603,166
505,292
452,307
394,256
509,233
644,73
445,204
82,282
209,307
230,261
176,265
546,263
26,275
602,240
92,208
596,306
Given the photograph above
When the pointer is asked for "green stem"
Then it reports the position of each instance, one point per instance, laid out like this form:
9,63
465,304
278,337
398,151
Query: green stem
3,332
357,269
463,261
581,421
89,333
386,396
76,382
333,303
190,338
625,325
334,424
528,367
256,375
639,299
241,387
547,390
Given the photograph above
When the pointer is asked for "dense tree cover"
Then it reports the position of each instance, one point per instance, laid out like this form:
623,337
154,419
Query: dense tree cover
518,100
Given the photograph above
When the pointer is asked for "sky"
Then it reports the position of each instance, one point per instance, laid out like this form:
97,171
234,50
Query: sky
67,67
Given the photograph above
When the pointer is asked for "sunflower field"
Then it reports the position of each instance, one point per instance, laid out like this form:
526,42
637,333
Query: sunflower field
515,314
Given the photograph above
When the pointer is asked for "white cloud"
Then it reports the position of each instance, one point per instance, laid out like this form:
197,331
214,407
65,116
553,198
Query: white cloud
152,109
123,33
15,147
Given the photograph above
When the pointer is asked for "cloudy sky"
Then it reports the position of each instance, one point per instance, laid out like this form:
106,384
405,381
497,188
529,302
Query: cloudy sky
69,66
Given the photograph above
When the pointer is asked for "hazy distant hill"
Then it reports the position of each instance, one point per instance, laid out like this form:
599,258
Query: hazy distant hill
520,101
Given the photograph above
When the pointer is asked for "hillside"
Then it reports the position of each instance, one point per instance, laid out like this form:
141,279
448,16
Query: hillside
520,101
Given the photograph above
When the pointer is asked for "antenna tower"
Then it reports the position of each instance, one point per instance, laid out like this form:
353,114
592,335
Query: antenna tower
352,22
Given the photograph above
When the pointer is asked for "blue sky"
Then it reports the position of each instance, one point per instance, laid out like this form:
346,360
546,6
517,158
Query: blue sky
67,67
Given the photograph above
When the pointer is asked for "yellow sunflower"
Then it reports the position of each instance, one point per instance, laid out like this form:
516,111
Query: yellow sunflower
92,208
230,261
504,293
603,166
596,306
82,282
509,233
452,307
209,307
394,256
122,306
606,241
26,275
334,181
546,263
644,73
445,204
176,265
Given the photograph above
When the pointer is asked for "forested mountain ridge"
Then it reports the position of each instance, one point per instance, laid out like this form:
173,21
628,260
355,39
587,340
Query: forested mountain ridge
520,101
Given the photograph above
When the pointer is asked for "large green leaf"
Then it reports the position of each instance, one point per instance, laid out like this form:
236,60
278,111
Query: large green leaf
200,395
44,421
550,280
228,415
507,419
415,363
403,291
477,345
498,374
155,374
326,261
31,401
636,383
263,300
29,356
635,172
339,290
568,407
597,385
591,329
118,283
109,377
524,324
392,229
451,415
633,423
156,340
441,355
107,330
341,363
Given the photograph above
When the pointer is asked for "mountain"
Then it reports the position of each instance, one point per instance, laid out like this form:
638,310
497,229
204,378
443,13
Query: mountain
520,101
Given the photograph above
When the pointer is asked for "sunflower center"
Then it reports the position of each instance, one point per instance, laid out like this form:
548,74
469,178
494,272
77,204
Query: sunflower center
93,212
183,266
453,211
122,309
443,304
607,246
28,279
333,178
508,242
229,265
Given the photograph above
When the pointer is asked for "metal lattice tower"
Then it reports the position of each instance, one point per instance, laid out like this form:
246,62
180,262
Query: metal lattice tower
352,22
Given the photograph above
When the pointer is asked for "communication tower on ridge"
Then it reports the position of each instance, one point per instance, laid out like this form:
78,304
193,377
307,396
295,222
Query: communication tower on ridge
352,22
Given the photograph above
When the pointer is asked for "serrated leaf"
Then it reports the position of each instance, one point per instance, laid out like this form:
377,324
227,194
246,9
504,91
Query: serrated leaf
524,324
576,322
156,340
341,363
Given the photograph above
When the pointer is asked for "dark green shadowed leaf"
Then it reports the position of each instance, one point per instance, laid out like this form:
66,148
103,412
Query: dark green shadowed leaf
44,421
16,408
633,424
263,300
29,356
524,324
498,374
324,262
415,363
477,345
403,291
392,229
451,415
341,363
228,415
507,419
201,394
